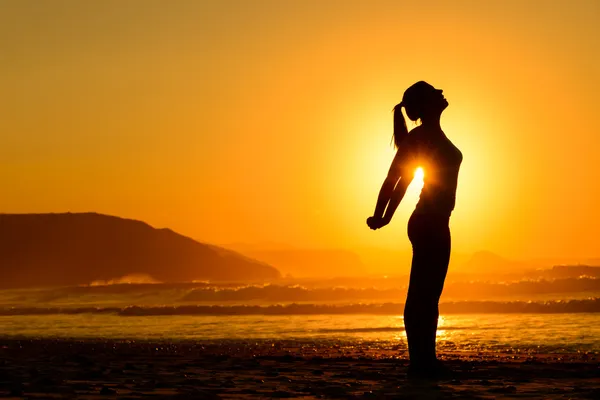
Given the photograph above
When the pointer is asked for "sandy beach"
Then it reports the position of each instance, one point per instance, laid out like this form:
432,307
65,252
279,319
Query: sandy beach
276,369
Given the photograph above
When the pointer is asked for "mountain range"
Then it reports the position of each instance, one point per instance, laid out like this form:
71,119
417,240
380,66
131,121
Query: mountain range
79,248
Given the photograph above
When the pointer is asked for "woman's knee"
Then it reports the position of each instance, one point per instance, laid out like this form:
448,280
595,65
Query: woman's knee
420,305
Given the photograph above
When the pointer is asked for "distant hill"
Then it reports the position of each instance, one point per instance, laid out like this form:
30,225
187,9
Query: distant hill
486,262
571,271
71,249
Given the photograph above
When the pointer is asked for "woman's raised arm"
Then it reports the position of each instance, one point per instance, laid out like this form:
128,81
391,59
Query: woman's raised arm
392,191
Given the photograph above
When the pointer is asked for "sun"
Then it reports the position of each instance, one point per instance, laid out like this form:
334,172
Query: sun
419,175
417,183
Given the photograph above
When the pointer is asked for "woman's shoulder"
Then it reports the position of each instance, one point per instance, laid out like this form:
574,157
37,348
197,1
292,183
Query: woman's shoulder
415,136
416,130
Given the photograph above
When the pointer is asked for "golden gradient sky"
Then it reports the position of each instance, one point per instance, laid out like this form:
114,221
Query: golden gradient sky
257,121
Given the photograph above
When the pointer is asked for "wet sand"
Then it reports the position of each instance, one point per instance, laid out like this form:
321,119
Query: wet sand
250,370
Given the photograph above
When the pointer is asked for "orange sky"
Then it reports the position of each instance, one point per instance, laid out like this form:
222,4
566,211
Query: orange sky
258,121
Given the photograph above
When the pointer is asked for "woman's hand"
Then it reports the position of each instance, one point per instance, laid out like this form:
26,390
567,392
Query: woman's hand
376,223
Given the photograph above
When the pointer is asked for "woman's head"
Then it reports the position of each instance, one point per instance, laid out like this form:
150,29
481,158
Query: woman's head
421,101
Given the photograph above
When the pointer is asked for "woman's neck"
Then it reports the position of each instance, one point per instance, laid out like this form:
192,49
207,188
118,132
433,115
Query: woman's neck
432,123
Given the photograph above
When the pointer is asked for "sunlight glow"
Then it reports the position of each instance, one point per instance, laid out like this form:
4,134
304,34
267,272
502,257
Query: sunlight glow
419,174
441,321
417,183
441,332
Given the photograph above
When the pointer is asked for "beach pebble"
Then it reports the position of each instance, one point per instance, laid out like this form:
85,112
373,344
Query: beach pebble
106,391
306,389
90,375
47,381
5,375
16,390
228,384
511,389
280,394
81,386
334,391
192,382
237,368
200,394
130,366
504,389
146,384
163,384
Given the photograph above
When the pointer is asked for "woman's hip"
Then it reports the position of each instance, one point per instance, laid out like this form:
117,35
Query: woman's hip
428,226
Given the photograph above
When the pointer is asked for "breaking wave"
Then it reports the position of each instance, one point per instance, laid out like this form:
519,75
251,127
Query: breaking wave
463,290
591,305
205,298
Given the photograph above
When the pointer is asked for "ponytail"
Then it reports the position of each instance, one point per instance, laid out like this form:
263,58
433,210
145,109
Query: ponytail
400,129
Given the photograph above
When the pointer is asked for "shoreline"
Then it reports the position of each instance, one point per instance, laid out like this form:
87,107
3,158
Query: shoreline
588,305
87,369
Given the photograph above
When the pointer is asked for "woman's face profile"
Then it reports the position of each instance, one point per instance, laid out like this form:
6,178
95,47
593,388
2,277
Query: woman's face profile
436,99
443,101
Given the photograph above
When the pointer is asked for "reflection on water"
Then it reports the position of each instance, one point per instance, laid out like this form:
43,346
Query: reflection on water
485,332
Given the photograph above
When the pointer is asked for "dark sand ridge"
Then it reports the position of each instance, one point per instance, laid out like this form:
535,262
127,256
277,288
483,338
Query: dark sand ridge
251,370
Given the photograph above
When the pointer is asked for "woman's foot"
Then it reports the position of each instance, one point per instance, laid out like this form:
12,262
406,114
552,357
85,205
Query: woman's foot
433,370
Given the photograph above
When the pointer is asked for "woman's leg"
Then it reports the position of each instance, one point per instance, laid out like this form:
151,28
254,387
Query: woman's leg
430,238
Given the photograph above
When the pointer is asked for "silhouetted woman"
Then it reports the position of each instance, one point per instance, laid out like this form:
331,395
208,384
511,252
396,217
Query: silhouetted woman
428,147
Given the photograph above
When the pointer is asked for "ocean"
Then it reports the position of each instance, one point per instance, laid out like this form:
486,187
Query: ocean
532,322
524,333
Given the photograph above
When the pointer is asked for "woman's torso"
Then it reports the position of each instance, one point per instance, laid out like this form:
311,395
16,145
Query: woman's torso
440,160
